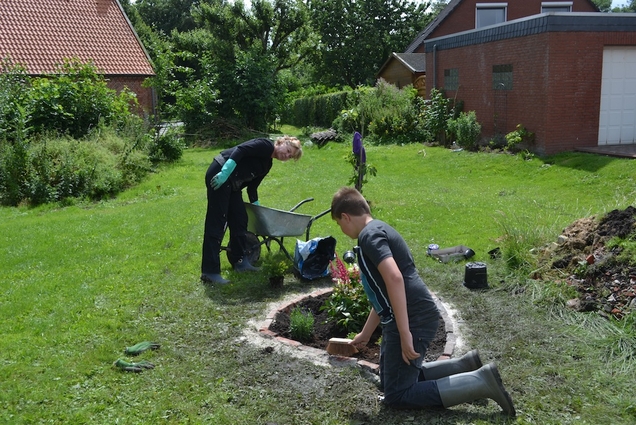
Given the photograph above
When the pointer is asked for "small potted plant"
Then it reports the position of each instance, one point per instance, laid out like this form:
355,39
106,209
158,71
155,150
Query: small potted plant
275,266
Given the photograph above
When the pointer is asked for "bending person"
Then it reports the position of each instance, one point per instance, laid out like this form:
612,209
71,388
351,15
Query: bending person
243,166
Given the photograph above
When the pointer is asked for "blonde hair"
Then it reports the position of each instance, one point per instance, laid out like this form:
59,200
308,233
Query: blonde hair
294,143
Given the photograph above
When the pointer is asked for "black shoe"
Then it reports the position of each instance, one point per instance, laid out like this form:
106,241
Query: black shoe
214,278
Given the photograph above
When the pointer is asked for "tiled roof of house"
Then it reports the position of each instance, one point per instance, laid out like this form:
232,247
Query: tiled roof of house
40,34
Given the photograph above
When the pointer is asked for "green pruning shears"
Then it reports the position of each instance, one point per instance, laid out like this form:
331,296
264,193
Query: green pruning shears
139,348
133,366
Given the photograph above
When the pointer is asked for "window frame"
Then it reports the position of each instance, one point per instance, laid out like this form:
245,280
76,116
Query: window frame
490,6
503,77
451,81
554,5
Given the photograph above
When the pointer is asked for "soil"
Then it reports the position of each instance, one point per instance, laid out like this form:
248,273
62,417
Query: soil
604,283
326,328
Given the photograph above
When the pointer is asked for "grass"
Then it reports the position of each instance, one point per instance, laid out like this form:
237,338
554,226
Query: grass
82,282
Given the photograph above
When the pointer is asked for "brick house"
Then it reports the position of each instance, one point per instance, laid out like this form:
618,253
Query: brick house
561,68
41,34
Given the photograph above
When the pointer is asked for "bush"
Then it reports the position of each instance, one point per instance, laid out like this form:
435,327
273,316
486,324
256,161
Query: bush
435,117
519,138
167,146
465,129
75,100
383,112
52,169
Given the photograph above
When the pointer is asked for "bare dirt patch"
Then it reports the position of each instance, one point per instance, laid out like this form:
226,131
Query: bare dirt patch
604,283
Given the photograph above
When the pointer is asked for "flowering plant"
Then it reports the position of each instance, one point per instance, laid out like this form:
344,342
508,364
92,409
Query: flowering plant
358,159
348,303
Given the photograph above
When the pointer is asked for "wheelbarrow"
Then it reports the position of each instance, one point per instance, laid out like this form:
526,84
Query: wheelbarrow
266,225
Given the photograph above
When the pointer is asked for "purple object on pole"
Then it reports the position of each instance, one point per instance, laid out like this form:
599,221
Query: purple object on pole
357,143
363,156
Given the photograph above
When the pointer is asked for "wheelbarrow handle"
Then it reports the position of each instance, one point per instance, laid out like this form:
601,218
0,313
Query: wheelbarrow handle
300,203
311,221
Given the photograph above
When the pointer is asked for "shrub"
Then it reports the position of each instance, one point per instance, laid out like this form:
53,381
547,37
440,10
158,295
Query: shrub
301,325
465,129
75,100
348,304
435,116
384,112
520,137
275,264
167,146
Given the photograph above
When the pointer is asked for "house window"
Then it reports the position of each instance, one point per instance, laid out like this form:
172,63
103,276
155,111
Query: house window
490,14
556,6
451,79
502,77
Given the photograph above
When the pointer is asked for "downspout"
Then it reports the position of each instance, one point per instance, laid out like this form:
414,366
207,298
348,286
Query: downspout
434,66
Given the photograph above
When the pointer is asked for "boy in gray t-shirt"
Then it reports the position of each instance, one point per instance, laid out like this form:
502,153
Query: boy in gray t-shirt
404,308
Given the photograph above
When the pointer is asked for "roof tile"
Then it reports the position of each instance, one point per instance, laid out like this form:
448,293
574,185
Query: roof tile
40,34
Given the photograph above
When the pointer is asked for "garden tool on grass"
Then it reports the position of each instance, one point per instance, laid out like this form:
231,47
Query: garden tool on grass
139,348
133,366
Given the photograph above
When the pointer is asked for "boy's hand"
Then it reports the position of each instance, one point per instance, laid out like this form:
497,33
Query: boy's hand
360,339
408,352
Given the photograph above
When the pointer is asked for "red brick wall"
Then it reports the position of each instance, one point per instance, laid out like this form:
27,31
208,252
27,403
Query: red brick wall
463,17
556,84
145,96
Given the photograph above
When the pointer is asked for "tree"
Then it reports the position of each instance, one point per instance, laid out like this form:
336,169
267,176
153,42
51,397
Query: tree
356,37
165,16
630,8
278,29
603,5
227,68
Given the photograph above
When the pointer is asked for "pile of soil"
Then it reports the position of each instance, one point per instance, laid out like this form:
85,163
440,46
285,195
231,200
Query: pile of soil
604,283
326,328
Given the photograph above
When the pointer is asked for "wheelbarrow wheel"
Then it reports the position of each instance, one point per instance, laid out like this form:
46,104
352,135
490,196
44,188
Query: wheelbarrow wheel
252,250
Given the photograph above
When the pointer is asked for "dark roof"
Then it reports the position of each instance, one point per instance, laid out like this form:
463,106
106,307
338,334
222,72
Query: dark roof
419,40
415,62
431,27
536,24
40,34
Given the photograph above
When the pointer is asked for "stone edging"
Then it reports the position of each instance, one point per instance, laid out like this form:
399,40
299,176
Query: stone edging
451,336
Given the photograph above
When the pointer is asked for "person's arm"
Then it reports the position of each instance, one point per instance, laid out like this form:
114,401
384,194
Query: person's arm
373,320
397,296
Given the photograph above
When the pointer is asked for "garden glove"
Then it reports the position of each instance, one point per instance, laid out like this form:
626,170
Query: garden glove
133,367
222,176
256,202
139,348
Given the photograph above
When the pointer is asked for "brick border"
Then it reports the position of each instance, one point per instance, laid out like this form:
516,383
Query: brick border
287,307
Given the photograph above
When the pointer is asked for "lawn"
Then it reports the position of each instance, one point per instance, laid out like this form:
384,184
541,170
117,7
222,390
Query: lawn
82,282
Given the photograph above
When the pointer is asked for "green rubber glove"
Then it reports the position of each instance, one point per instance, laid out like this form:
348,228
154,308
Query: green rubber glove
222,176
133,366
256,202
139,348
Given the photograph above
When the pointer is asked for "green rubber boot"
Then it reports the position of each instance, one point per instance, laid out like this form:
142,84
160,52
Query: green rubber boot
442,368
484,382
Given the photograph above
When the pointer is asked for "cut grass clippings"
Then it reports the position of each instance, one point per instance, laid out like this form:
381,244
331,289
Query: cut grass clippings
81,283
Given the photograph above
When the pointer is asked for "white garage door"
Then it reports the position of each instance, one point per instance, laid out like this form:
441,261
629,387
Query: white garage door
617,124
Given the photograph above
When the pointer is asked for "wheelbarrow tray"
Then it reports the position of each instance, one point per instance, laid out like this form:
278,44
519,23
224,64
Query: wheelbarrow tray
265,221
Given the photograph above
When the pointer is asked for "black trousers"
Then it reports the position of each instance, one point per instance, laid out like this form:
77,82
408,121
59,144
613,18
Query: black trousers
225,208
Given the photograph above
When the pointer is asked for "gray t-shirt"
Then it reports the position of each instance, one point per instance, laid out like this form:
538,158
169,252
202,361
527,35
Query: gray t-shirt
376,242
